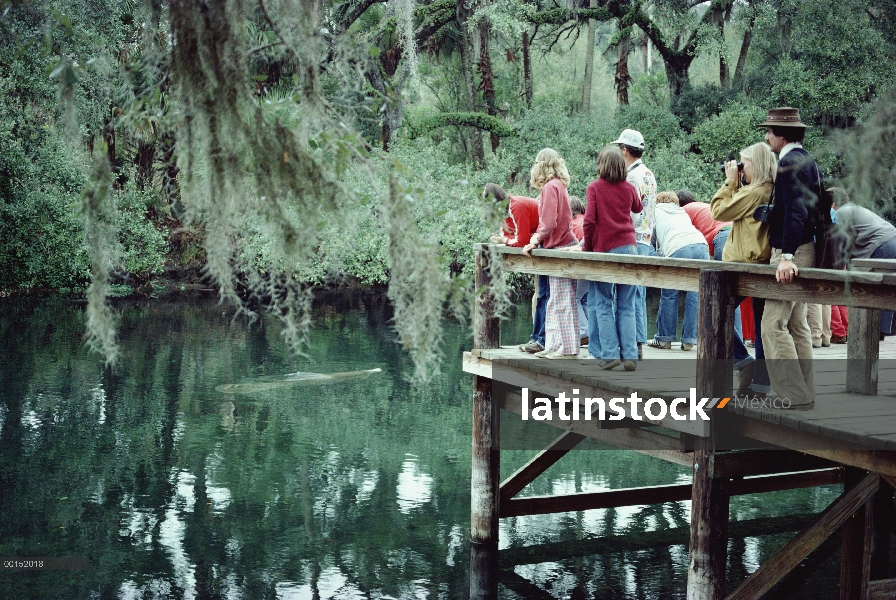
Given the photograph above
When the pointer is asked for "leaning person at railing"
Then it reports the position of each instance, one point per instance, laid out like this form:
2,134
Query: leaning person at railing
608,227
736,201
791,225
550,175
520,225
716,235
866,236
676,237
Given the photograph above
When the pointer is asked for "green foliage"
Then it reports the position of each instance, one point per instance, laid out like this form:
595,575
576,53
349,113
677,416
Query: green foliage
658,125
460,119
698,103
722,136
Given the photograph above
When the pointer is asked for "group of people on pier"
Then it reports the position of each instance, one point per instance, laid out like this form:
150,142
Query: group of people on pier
770,210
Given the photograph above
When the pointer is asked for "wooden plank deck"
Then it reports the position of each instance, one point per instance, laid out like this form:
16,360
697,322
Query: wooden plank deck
868,421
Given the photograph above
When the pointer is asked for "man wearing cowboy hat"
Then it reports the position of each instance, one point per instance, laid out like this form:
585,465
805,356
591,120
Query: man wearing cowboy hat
631,143
785,332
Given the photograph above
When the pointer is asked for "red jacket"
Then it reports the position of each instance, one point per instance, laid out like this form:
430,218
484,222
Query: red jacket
608,220
577,227
522,222
701,217
554,216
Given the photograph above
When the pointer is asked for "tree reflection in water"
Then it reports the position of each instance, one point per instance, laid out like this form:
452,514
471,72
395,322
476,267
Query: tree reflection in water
356,489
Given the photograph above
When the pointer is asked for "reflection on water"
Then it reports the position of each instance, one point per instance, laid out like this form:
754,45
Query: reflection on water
356,488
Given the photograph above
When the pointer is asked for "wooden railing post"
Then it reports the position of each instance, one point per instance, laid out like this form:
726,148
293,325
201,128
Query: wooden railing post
485,478
709,498
863,350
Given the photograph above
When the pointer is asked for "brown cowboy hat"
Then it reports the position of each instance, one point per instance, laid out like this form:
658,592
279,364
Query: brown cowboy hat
783,117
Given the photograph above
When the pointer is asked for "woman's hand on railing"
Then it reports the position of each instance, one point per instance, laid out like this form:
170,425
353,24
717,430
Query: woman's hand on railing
498,238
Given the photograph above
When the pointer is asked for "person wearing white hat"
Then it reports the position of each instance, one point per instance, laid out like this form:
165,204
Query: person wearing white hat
631,143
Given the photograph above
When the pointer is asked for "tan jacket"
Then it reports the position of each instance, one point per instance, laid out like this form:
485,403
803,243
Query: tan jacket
748,241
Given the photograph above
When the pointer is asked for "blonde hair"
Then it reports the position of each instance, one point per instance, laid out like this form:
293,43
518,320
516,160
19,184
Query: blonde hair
667,198
548,165
611,165
765,165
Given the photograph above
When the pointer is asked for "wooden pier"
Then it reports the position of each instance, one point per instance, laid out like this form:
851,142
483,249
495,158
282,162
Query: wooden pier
849,437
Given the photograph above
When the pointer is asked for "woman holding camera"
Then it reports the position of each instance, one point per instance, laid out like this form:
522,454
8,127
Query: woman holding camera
746,189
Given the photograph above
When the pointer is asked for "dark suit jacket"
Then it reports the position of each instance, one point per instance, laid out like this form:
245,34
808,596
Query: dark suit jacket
796,211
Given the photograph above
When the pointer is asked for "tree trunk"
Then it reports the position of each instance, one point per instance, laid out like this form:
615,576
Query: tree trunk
744,48
677,74
589,63
143,160
527,71
723,60
485,71
466,60
622,77
785,28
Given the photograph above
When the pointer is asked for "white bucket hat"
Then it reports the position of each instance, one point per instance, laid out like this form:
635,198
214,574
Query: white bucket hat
632,138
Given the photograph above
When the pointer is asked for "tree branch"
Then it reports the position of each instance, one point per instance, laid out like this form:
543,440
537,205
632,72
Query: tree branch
461,119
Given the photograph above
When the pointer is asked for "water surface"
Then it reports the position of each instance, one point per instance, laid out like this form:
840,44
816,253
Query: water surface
354,489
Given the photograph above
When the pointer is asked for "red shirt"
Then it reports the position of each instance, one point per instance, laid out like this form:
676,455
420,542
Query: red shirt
554,216
522,222
608,220
577,230
701,217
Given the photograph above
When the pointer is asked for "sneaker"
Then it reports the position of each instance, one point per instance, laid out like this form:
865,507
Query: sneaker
630,365
606,365
838,339
557,355
640,351
543,353
816,347
583,341
532,347
687,347
655,343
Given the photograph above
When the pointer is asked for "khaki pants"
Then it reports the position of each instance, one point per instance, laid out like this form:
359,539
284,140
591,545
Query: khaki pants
787,340
819,319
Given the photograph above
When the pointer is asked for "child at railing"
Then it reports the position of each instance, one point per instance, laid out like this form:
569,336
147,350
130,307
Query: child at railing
550,175
608,227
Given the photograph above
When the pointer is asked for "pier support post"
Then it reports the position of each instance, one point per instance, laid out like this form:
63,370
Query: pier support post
857,537
862,351
708,554
485,478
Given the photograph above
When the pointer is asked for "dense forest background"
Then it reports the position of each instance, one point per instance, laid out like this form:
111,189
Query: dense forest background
137,138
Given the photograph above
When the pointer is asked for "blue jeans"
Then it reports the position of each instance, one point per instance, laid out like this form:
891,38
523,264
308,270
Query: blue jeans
582,305
761,381
667,316
541,303
740,350
641,298
613,325
886,250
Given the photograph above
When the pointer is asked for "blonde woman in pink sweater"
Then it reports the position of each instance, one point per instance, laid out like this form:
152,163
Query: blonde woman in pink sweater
550,175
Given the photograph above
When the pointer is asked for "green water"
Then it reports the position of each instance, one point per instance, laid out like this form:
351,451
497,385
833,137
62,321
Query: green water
356,489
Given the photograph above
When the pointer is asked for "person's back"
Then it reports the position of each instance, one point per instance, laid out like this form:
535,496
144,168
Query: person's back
524,218
701,217
865,231
611,223
674,229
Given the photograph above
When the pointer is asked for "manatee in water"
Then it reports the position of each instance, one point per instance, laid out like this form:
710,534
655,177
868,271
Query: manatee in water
263,384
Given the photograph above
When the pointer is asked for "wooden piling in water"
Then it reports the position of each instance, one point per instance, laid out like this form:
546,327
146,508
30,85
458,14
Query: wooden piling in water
710,496
486,474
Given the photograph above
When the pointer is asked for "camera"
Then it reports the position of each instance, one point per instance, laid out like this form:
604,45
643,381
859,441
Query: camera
740,167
